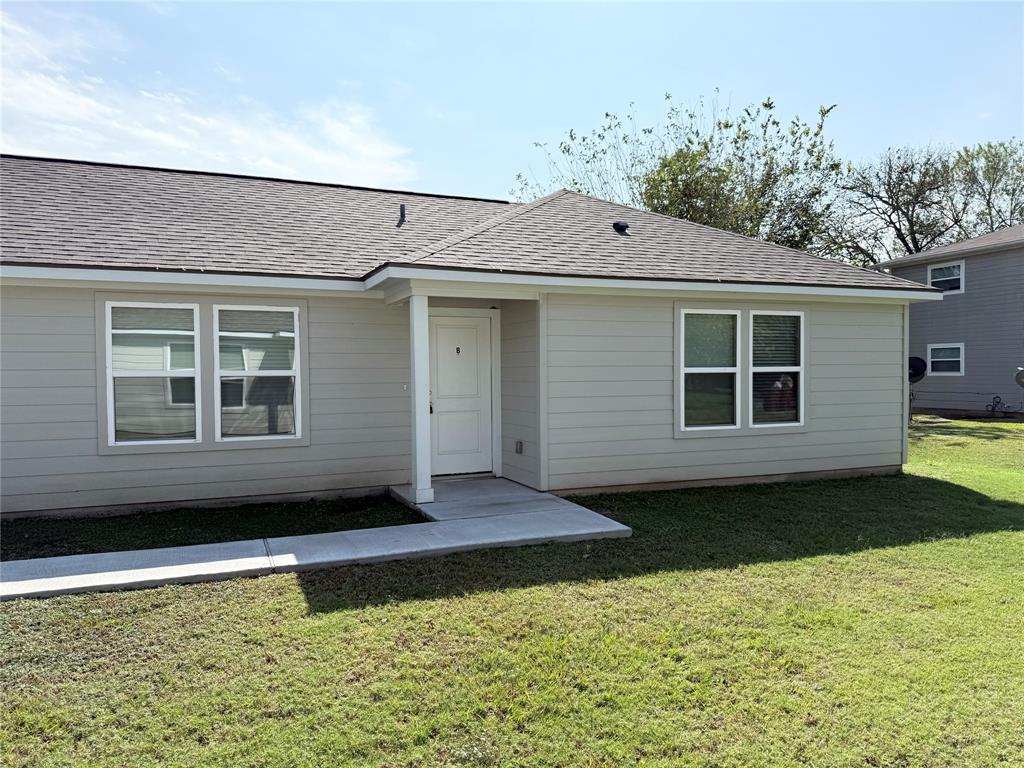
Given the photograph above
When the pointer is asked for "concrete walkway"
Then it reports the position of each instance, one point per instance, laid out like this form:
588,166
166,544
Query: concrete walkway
471,514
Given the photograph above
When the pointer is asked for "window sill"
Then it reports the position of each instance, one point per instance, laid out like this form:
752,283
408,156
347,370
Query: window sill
207,445
743,431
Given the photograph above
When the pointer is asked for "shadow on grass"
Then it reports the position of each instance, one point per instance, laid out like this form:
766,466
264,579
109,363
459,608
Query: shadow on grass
992,430
52,537
691,530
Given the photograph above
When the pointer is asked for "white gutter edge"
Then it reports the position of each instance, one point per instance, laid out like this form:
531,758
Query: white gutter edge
550,281
363,287
167,277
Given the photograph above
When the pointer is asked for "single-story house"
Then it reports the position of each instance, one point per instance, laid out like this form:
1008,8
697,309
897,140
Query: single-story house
177,336
972,341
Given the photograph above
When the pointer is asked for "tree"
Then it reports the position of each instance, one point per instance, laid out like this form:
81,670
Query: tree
902,203
747,173
912,199
992,175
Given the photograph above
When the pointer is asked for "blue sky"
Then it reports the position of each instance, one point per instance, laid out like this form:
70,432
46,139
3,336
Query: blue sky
450,98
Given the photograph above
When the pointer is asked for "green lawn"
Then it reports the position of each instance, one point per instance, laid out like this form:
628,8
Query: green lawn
870,622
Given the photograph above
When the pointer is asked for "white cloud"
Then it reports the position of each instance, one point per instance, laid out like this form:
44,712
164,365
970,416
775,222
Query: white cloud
53,105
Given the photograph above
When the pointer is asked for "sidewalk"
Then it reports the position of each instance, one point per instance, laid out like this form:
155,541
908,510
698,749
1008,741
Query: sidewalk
47,576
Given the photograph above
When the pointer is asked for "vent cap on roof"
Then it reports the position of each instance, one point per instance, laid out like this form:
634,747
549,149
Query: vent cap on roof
620,227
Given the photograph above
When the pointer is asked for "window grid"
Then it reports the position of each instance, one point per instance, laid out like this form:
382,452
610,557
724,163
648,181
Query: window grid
121,373
734,369
220,373
797,369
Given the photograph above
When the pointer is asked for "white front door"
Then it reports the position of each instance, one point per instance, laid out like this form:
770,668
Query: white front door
460,394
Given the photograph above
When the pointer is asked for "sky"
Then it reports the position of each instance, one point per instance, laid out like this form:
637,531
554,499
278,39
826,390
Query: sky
452,98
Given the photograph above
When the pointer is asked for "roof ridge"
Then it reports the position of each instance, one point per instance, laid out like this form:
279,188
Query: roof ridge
252,177
759,241
485,226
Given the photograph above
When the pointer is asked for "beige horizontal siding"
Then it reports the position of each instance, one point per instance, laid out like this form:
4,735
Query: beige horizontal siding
610,386
359,412
520,399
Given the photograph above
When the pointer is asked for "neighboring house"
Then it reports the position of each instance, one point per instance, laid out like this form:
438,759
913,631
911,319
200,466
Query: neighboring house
174,336
973,340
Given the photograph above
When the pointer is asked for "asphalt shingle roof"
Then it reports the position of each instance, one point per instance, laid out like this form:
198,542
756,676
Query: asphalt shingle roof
95,215
571,234
70,213
1007,237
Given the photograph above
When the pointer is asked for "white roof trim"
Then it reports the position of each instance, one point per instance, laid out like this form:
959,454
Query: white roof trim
365,287
551,281
184,279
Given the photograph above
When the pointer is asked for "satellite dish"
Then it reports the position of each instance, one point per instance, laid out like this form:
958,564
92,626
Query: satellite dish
1019,378
916,369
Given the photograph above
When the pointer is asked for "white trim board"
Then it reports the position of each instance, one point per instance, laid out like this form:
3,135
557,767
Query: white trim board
615,284
514,285
193,281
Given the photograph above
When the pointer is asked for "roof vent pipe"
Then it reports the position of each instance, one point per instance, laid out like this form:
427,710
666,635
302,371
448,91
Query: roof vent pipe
401,214
620,227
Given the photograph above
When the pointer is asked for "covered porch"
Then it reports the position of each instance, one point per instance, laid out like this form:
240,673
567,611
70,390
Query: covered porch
474,388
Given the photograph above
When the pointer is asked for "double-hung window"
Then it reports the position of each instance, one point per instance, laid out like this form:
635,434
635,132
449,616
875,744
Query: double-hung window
709,355
153,392
257,373
948,278
945,359
776,368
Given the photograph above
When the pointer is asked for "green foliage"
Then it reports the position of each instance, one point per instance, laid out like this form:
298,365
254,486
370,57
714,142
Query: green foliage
748,173
872,621
755,175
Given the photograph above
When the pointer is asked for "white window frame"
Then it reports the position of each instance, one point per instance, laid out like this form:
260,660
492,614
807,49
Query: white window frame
183,373
683,370
295,372
963,361
798,369
963,275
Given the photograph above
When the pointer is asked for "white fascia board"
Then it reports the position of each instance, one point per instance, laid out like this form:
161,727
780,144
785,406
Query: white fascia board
589,283
529,283
191,280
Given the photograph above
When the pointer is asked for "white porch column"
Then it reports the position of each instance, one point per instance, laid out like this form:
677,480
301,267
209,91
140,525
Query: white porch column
419,344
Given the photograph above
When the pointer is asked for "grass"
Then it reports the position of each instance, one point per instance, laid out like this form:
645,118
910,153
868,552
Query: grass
869,622
20,539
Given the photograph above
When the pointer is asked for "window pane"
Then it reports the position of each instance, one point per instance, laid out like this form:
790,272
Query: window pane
710,399
151,339
182,391
231,393
150,319
143,411
948,284
945,353
945,366
952,270
776,398
710,341
182,356
776,340
254,340
267,406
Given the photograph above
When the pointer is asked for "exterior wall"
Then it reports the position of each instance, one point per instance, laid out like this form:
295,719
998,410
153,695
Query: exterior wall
610,395
987,318
520,394
358,412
